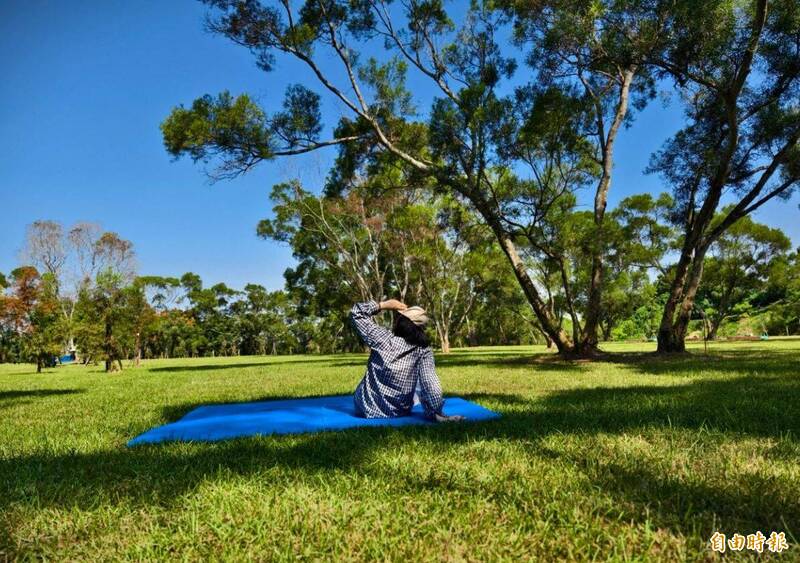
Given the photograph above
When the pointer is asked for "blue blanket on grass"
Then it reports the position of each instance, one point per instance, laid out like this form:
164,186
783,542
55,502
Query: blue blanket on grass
294,416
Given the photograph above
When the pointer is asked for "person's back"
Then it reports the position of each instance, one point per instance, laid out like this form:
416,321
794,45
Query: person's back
399,362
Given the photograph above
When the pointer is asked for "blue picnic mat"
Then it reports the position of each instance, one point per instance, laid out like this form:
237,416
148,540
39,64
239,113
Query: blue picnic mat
294,416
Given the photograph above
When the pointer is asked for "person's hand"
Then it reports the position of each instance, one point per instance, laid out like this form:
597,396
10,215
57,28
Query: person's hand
445,418
392,305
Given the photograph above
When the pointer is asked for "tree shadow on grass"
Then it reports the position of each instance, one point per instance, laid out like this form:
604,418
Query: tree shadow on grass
504,359
266,364
759,361
15,397
32,393
535,361
538,362
742,407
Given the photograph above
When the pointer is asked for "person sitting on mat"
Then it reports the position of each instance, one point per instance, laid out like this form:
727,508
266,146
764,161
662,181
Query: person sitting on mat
400,361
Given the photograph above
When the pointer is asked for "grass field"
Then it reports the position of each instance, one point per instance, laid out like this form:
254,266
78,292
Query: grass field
634,458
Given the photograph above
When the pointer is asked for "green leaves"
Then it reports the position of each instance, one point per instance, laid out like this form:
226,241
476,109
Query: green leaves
238,133
388,80
232,127
300,120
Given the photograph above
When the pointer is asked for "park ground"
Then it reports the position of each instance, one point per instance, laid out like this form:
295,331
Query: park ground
633,457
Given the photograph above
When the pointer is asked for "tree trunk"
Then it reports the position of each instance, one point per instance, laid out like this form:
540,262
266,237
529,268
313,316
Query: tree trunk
594,304
607,331
445,343
668,339
109,363
550,326
713,328
722,313
443,332
672,332
137,359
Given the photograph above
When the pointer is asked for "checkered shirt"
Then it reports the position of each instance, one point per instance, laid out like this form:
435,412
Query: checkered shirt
394,369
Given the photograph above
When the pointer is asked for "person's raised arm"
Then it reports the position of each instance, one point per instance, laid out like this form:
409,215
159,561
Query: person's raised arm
431,390
373,335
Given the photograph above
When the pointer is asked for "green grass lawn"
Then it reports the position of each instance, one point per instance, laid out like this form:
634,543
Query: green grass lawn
634,458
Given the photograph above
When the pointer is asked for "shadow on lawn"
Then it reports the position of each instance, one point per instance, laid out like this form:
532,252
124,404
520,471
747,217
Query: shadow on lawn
15,397
757,362
503,359
31,393
265,364
758,407
535,361
511,361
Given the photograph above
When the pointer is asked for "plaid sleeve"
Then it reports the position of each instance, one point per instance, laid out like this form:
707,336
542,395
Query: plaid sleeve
373,335
430,389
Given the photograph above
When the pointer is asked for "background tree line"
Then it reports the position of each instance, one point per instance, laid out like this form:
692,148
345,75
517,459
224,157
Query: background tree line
79,289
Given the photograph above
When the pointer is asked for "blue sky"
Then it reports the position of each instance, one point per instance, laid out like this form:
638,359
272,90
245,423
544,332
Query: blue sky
84,87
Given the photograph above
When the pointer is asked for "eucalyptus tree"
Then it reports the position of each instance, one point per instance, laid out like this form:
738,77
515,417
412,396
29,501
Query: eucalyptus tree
264,320
737,66
73,257
369,242
45,248
587,61
347,235
344,254
446,266
161,292
147,298
458,148
106,313
210,308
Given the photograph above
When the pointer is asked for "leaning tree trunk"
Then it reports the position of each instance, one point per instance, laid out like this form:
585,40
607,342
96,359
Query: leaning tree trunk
678,310
670,336
549,325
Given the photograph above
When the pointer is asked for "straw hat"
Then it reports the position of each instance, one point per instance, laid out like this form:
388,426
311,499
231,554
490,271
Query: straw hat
416,315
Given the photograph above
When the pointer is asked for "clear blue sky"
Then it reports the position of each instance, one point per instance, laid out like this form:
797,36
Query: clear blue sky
84,86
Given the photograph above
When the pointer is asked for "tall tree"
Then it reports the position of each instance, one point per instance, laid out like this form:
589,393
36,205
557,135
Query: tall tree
783,294
737,65
445,273
104,305
31,312
107,313
460,149
346,234
44,247
73,258
590,56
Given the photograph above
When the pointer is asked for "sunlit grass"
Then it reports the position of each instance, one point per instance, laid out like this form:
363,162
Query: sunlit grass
634,457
